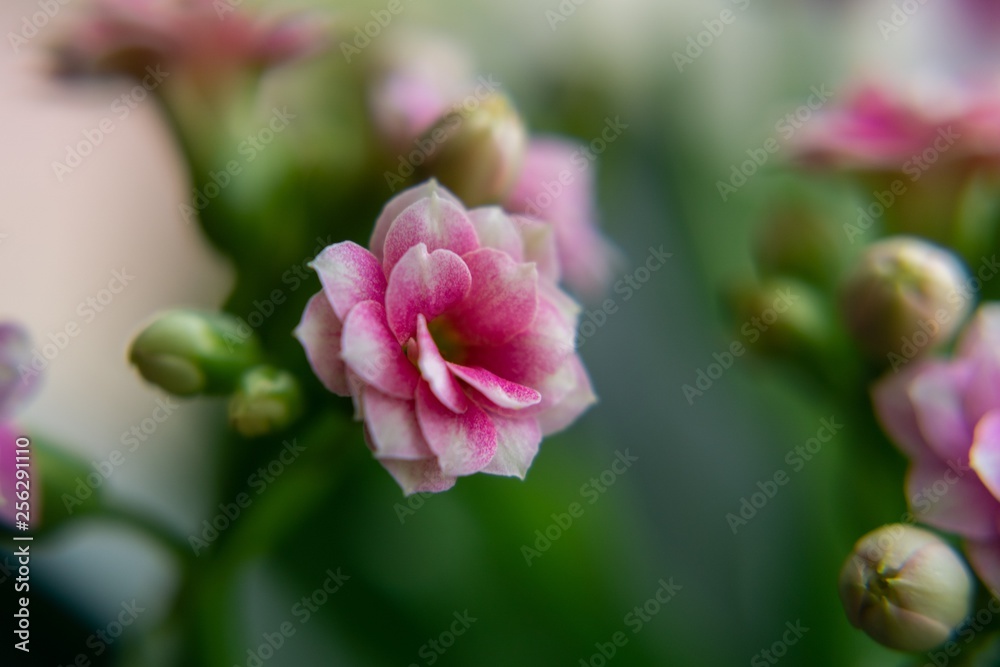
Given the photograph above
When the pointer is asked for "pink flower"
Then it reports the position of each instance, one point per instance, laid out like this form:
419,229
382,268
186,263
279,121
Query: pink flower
451,337
945,416
556,185
202,37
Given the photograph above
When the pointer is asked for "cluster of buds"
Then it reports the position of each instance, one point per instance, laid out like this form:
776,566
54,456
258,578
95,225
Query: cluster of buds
191,353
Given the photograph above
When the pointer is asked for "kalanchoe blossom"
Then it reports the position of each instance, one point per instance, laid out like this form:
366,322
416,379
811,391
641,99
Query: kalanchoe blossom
202,37
945,416
452,338
544,191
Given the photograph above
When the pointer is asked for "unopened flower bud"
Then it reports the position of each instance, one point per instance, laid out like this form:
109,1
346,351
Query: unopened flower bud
905,587
783,318
796,242
476,150
266,400
904,297
188,352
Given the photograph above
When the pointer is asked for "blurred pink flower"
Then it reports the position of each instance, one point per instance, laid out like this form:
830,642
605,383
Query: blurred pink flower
945,416
202,37
16,387
556,185
451,337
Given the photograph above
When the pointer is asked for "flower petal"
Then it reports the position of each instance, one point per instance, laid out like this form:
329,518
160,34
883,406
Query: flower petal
435,221
497,230
391,426
502,393
502,301
398,204
434,369
540,246
350,274
952,499
465,443
371,351
984,456
895,411
984,556
424,282
980,345
320,332
517,445
573,404
423,476
19,379
936,394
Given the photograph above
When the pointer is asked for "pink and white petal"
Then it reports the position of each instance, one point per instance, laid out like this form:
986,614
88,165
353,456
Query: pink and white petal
371,351
517,445
984,456
391,424
540,246
400,203
434,369
500,392
980,347
895,411
952,499
350,274
465,443
434,221
497,230
936,394
502,302
423,476
566,411
531,357
319,332
984,557
423,282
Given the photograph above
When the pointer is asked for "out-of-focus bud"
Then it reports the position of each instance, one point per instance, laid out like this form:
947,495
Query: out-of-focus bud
267,400
904,297
476,151
189,352
796,242
905,587
781,317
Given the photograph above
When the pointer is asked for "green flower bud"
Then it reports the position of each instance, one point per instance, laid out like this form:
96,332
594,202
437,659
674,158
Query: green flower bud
782,318
188,352
905,587
266,400
796,242
477,153
899,299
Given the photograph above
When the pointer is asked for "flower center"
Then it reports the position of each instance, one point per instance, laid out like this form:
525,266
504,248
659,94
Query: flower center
448,342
